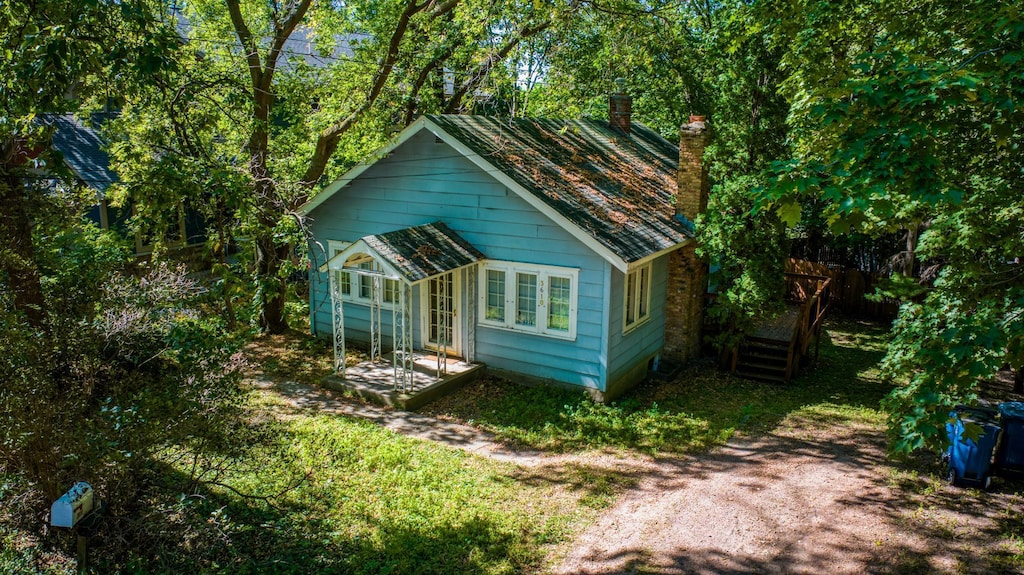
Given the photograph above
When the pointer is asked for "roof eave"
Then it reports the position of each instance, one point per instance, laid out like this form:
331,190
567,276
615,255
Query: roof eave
651,257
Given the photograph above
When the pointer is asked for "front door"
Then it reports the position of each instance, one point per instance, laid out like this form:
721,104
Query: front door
441,322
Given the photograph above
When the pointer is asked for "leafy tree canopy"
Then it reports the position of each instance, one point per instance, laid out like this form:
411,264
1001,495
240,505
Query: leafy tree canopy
907,115
268,100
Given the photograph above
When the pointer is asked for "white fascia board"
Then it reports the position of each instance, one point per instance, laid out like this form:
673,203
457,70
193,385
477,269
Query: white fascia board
538,204
337,263
332,188
656,255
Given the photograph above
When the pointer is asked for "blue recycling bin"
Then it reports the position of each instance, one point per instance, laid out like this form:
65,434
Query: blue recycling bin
1010,453
970,460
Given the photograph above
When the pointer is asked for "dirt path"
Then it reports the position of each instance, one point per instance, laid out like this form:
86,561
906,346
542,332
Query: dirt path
812,497
780,504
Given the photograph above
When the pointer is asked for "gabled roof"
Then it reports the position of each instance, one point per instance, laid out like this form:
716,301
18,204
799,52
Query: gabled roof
416,253
614,192
82,149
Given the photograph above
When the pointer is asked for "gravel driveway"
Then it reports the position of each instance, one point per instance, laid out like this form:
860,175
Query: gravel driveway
812,497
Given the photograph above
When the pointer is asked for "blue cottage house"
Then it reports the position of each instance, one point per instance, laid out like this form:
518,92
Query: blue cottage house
548,250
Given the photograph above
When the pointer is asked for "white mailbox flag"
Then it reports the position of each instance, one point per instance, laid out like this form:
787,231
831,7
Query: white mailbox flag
72,506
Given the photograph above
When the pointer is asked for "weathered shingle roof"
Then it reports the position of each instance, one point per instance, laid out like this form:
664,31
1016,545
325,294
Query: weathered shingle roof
423,251
619,189
82,149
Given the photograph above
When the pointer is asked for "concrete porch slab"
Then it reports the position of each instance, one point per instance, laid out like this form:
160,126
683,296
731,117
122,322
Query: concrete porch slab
374,381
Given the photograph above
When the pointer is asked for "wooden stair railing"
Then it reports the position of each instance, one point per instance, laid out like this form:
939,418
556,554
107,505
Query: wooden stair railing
754,359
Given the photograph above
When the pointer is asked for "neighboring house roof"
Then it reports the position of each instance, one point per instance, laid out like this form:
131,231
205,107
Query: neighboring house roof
83,153
615,192
303,44
416,253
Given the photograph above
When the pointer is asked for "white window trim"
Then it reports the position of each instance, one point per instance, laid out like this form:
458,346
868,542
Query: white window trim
543,274
333,248
641,296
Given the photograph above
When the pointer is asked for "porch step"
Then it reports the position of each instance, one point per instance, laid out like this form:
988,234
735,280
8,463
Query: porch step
374,382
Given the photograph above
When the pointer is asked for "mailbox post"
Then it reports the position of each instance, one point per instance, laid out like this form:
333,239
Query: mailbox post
80,511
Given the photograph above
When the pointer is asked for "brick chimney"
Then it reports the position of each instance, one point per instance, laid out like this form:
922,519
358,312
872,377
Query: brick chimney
620,107
687,275
692,178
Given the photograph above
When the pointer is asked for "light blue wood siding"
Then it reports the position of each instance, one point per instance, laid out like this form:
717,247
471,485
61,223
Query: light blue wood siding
423,181
626,350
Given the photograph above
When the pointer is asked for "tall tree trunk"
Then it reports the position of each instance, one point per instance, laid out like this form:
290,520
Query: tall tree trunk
17,252
911,253
270,256
1018,380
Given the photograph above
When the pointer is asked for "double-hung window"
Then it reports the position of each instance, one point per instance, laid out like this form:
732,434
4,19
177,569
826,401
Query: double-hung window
358,288
530,298
638,297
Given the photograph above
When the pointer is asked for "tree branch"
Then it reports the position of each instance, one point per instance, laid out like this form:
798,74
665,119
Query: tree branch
245,37
328,140
488,64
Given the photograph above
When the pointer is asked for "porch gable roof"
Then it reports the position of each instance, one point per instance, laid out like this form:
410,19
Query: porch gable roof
414,254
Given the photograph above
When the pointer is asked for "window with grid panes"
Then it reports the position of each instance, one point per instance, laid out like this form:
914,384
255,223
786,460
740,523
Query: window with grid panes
542,299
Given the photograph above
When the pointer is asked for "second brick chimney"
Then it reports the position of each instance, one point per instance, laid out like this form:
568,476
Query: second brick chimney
692,178
688,276
620,107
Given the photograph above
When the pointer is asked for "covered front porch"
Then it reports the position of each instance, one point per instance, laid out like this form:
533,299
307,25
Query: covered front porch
414,355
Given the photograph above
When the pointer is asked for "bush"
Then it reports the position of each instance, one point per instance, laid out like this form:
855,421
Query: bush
127,369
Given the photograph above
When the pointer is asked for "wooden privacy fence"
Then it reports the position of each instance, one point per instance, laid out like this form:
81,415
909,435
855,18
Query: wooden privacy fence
849,286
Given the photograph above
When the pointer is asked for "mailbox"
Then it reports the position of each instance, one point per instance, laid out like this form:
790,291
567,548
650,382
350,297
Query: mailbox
71,507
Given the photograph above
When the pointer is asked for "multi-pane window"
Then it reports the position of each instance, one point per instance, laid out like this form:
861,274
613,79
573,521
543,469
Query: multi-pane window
637,296
494,299
522,297
526,299
559,294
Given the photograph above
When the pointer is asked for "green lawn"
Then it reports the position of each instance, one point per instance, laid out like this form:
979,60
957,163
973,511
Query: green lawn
330,494
370,501
699,409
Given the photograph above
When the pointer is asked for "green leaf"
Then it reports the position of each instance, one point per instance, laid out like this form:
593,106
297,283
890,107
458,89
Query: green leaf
789,213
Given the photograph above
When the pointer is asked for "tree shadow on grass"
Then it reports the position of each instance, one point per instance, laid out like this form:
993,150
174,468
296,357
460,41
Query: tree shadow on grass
213,531
699,409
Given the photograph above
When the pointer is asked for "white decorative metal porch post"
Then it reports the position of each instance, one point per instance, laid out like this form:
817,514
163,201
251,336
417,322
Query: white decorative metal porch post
402,338
375,326
338,324
443,324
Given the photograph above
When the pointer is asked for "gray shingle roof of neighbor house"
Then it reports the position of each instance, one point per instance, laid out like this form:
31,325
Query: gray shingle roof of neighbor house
424,251
83,152
618,188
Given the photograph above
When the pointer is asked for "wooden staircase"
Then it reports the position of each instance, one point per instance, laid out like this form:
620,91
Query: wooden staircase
774,351
763,360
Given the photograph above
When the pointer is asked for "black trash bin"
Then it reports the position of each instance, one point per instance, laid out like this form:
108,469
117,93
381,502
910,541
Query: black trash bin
1010,453
970,460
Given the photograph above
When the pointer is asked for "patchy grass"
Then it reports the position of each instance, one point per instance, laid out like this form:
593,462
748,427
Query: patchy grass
332,494
700,409
292,355
323,493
